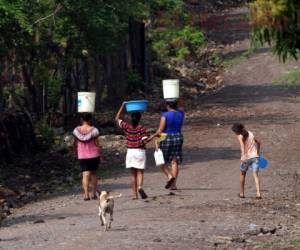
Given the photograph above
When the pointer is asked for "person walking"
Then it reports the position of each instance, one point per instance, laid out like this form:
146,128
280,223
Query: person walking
136,137
171,123
88,154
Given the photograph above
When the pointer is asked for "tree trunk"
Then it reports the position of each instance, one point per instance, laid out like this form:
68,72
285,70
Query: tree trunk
137,47
16,136
99,85
31,88
1,96
67,88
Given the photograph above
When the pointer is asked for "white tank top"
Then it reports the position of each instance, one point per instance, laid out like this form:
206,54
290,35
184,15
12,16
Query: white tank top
250,147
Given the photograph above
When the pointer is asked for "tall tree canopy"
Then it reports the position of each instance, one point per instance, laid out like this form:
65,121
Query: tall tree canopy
49,45
277,22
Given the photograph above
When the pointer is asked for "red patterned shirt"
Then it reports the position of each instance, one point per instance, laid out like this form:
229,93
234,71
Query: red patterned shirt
135,137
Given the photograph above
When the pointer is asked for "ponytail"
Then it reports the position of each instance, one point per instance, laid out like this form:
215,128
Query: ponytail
135,119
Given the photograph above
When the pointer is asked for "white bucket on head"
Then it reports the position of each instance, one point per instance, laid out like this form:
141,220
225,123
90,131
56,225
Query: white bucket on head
86,102
171,88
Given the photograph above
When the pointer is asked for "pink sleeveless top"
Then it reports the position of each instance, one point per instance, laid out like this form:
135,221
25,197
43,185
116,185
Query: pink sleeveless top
87,149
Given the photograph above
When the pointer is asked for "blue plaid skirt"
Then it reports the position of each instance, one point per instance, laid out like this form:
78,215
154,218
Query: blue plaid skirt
172,147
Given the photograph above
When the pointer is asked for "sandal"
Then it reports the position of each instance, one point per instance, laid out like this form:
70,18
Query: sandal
169,183
241,196
94,197
86,199
142,194
258,197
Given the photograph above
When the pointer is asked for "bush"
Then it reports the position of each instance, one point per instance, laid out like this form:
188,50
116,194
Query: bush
134,81
178,43
45,134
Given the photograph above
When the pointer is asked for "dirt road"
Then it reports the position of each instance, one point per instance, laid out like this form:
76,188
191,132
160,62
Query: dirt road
206,212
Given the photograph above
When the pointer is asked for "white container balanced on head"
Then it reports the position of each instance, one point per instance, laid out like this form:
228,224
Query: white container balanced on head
171,88
86,102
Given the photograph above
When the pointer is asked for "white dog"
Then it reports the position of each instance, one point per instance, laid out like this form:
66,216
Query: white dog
106,206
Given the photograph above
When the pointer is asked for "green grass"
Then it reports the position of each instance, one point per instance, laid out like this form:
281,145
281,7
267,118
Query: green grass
276,244
295,242
218,59
291,79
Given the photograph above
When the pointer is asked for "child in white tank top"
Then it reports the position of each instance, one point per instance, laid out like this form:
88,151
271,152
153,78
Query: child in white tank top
250,150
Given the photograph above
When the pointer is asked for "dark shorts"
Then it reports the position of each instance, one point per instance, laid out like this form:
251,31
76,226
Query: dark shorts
89,164
172,147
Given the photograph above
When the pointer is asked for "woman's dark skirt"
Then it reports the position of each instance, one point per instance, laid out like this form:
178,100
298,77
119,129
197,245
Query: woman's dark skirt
172,148
89,164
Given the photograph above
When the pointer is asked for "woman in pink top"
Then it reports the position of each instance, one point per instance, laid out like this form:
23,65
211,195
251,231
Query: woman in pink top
88,153
250,150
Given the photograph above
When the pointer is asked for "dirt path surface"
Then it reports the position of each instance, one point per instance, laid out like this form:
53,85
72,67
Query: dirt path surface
206,212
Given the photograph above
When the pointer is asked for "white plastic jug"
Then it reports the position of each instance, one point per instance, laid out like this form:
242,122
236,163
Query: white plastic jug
159,158
171,88
86,102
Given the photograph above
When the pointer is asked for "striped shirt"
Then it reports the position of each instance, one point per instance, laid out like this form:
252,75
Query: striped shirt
134,136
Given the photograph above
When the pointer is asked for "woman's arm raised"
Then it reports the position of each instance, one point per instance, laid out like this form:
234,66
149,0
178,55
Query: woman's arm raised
117,118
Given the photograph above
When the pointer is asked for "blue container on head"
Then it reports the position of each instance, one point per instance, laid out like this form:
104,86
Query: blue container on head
135,106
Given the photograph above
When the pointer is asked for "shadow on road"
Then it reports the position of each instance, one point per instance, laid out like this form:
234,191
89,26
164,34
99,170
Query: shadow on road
39,218
210,154
233,95
263,119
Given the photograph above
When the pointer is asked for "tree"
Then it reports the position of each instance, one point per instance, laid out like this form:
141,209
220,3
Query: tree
58,47
277,22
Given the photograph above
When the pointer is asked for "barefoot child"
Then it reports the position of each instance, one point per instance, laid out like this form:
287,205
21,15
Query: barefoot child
250,150
136,150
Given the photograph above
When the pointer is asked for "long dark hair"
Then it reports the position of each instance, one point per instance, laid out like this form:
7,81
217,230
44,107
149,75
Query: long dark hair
86,117
239,129
135,119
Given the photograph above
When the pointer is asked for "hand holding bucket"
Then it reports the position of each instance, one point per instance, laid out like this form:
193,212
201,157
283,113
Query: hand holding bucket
262,162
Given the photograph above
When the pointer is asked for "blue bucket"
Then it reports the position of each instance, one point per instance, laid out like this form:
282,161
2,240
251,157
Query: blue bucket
135,106
262,162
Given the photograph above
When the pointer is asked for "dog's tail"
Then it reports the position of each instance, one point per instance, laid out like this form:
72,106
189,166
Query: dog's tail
114,197
110,196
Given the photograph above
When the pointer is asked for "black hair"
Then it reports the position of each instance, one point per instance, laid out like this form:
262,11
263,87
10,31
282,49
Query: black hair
172,104
163,106
239,129
135,118
86,117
